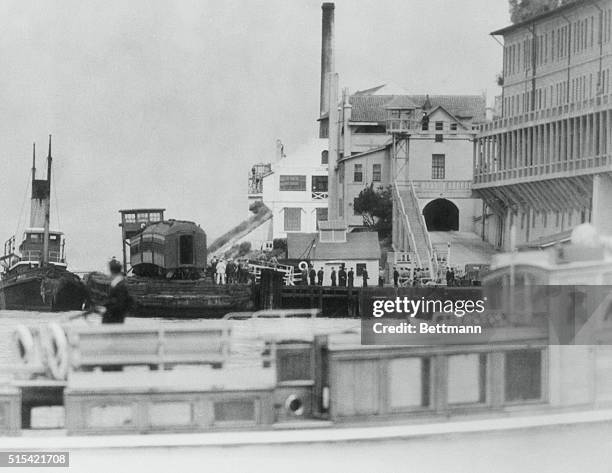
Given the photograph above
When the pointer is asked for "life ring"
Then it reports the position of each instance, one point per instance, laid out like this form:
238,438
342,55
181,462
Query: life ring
55,347
303,265
294,405
24,342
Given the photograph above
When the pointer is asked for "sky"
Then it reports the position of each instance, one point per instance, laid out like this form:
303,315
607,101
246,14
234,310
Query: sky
159,103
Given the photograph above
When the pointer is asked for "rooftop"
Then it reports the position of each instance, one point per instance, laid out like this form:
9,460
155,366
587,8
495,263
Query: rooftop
358,245
373,108
538,17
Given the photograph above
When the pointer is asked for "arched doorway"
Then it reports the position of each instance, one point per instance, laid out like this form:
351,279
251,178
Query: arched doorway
441,215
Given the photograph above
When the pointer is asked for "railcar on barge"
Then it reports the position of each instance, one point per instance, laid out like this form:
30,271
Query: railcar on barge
166,262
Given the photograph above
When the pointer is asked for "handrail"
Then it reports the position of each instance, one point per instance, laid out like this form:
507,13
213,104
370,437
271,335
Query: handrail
407,223
433,263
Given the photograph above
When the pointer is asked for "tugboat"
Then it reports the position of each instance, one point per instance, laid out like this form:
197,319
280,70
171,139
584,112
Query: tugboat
35,275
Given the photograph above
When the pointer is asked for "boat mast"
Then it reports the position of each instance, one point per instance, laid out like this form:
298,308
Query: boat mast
45,256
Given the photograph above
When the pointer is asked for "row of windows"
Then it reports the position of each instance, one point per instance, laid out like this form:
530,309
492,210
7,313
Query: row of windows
469,379
580,88
293,218
554,45
439,126
358,173
289,182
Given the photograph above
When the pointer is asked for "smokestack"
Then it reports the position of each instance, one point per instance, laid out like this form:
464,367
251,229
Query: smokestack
327,54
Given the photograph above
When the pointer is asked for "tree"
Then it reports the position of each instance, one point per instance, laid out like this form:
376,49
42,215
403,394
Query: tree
521,10
376,208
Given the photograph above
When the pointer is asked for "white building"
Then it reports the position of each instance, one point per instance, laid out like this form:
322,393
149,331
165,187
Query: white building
294,188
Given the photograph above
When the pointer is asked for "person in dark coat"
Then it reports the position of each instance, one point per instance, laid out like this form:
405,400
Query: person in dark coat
395,277
448,277
305,277
333,277
320,275
365,277
119,301
351,278
313,276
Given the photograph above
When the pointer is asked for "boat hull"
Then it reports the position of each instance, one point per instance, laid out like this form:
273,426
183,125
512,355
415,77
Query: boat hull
43,290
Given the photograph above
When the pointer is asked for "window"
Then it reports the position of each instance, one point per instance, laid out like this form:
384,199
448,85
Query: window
467,378
292,183
294,364
523,375
326,235
324,157
293,219
437,166
453,127
360,268
319,183
439,126
409,382
321,215
376,172
425,122
358,173
155,217
439,138
186,249
142,217
235,411
130,218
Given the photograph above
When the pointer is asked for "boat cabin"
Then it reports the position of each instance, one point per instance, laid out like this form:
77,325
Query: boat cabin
30,253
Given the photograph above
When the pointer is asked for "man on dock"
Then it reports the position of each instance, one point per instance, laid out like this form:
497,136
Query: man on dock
396,276
333,277
342,276
365,277
320,275
313,276
351,278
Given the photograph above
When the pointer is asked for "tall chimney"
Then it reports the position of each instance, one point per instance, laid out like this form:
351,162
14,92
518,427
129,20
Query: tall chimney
327,54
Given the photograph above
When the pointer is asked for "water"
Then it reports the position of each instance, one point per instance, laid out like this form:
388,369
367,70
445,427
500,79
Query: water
247,335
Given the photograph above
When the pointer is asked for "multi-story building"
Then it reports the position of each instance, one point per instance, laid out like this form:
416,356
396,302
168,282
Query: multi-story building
545,165
294,188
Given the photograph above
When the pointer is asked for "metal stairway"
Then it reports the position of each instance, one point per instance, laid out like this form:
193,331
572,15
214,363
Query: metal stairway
414,236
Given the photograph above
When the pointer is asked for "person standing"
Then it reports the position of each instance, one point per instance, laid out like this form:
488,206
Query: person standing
365,277
342,277
214,269
395,277
381,277
333,277
305,277
119,301
320,275
452,277
221,268
448,277
313,276
351,278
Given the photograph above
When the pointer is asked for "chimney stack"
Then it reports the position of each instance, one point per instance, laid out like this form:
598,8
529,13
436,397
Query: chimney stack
327,54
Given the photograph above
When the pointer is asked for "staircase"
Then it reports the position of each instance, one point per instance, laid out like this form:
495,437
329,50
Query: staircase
413,225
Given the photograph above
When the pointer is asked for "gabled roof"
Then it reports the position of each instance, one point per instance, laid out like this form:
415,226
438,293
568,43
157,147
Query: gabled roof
373,108
358,246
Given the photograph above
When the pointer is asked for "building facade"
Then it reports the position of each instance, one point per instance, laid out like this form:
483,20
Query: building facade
544,166
294,188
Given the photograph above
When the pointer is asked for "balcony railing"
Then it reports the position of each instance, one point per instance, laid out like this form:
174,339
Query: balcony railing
441,186
36,255
587,165
320,195
557,111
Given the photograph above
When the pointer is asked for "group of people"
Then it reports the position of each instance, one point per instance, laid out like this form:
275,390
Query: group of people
341,278
228,271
